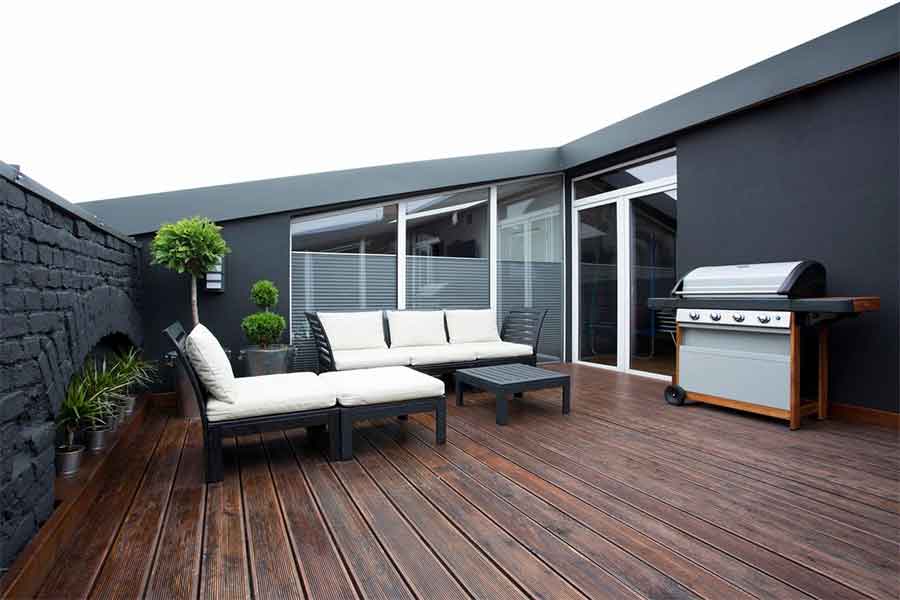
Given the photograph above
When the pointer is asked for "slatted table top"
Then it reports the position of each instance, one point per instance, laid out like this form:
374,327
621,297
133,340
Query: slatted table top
510,375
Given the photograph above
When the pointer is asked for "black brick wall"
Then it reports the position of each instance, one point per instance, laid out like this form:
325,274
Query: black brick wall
66,284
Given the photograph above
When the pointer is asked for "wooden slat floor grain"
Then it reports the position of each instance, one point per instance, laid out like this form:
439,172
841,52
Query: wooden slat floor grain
626,497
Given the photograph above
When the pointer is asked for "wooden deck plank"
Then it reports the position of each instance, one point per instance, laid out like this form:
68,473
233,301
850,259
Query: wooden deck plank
273,572
133,549
861,516
74,572
781,512
596,488
478,574
588,566
323,572
516,560
626,497
176,568
589,508
648,566
420,567
368,563
225,570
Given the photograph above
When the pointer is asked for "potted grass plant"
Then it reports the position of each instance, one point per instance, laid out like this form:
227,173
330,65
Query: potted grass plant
82,406
136,372
102,381
264,328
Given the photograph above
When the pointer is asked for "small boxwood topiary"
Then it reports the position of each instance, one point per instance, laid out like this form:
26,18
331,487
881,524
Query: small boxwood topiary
264,294
263,328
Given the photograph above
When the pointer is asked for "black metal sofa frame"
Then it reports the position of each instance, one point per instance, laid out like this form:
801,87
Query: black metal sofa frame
214,431
520,326
338,420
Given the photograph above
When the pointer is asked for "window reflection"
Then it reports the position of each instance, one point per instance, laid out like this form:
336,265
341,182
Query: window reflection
622,178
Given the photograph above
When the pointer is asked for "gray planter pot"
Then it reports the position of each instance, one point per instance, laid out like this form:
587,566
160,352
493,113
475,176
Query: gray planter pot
68,460
97,439
127,402
266,361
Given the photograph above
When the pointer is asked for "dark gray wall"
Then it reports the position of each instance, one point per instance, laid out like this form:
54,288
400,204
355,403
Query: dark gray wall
812,176
260,249
65,284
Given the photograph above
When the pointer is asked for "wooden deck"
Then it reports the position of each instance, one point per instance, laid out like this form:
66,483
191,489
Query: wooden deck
625,498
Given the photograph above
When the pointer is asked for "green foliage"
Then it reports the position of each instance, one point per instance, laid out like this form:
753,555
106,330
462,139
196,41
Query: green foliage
137,371
88,400
264,294
191,245
263,328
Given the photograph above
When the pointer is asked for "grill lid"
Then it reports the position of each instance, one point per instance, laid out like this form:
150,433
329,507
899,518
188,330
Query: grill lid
798,279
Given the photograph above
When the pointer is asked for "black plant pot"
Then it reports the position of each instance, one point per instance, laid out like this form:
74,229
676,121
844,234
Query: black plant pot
270,360
68,460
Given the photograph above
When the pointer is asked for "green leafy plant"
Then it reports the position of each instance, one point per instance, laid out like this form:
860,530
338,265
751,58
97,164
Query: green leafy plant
133,368
264,294
103,381
192,246
263,328
87,401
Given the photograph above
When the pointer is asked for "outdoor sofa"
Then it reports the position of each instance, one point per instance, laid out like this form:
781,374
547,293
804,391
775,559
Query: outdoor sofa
436,342
329,402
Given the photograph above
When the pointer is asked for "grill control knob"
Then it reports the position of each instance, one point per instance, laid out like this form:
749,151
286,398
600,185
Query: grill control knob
694,315
716,316
738,318
763,318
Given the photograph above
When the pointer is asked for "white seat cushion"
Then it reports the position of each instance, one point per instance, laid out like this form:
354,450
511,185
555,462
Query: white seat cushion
211,363
345,360
486,350
354,330
416,328
466,326
382,385
446,353
272,395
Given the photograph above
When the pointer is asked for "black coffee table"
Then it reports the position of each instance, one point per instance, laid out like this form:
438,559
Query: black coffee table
503,380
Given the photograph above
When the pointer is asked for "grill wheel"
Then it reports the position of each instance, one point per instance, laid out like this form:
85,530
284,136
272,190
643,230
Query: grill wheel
674,395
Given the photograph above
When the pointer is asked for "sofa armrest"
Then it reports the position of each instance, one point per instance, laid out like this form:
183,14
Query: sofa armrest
523,326
320,339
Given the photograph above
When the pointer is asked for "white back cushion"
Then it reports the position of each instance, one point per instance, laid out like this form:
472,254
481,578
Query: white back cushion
472,326
416,328
354,330
211,364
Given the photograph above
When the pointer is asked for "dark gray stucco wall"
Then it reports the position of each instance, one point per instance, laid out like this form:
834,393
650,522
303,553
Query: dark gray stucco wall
813,175
260,249
65,284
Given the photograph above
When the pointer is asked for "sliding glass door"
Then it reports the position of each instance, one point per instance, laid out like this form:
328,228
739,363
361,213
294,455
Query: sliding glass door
624,224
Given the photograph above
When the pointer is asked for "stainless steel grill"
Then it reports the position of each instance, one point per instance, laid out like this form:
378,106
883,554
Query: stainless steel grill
739,330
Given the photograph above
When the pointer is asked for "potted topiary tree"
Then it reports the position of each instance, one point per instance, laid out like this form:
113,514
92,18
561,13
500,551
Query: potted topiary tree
264,330
192,246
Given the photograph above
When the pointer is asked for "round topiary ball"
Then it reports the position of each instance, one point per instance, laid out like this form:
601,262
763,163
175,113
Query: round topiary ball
264,294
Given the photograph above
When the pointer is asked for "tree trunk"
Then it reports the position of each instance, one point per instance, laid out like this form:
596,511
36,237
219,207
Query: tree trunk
195,313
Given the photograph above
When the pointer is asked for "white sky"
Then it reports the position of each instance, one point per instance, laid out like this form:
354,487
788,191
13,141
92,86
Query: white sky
102,99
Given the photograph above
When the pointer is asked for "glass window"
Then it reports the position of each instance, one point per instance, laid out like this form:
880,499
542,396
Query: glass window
598,284
621,178
447,250
654,225
344,261
530,248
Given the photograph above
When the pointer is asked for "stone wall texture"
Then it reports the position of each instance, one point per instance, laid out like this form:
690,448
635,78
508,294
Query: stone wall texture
66,284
